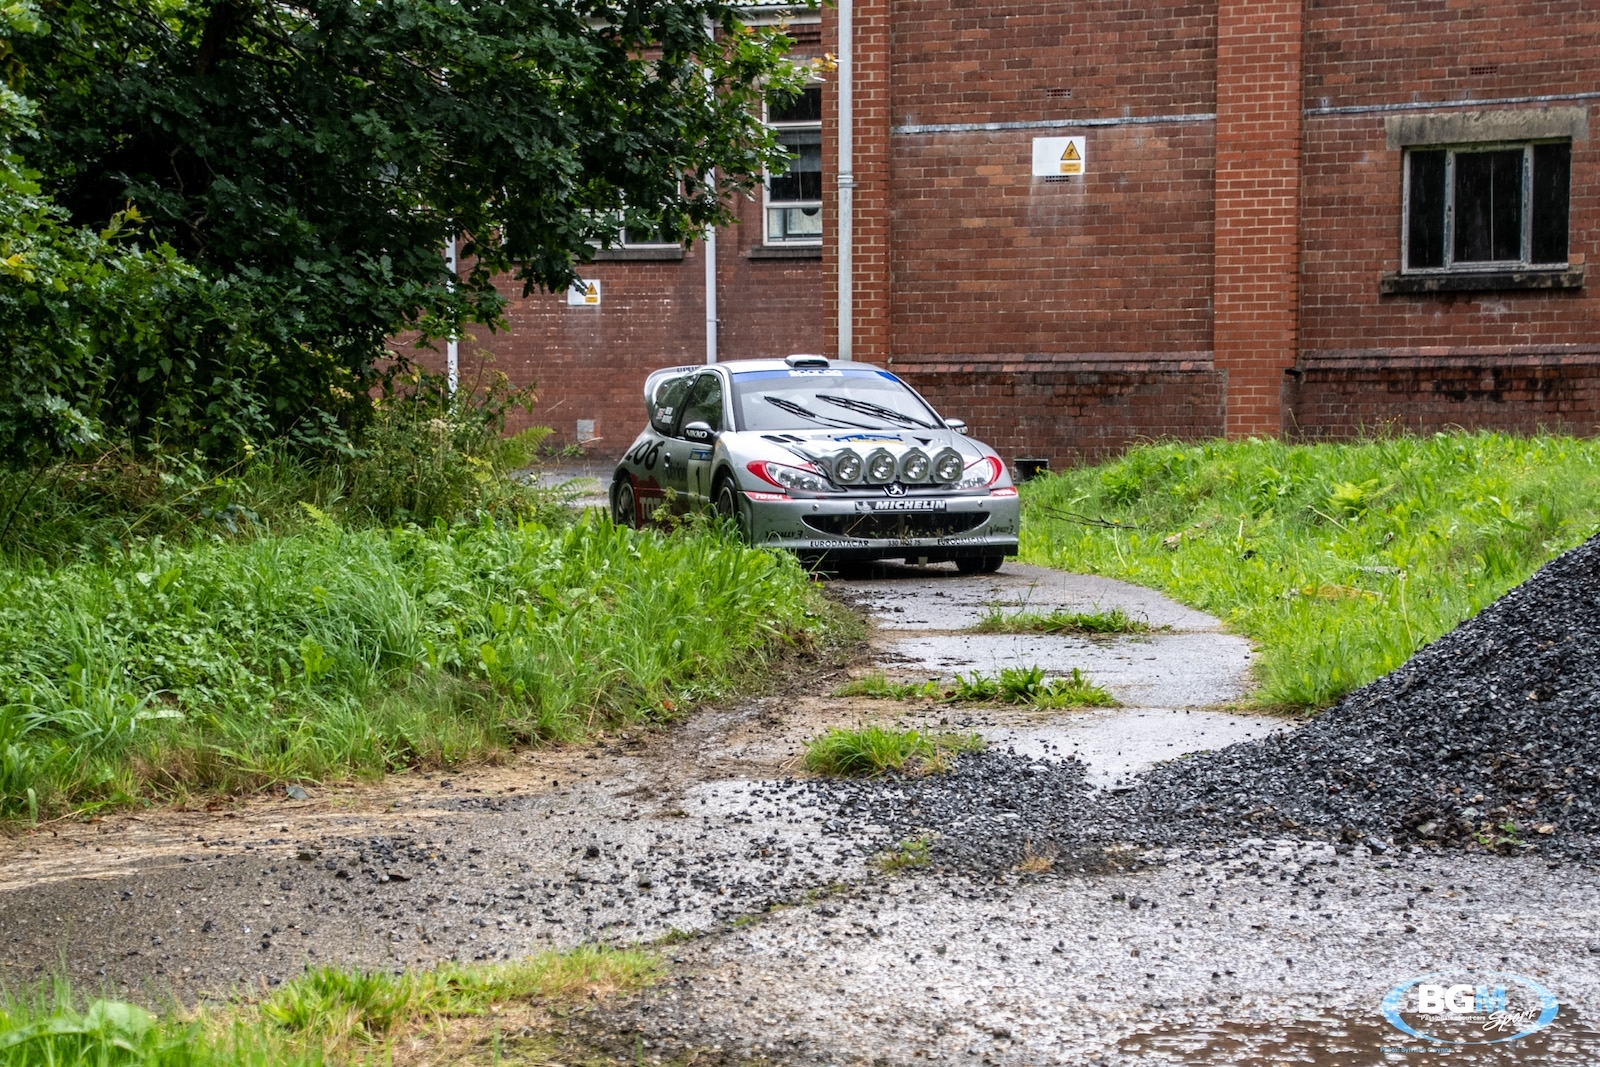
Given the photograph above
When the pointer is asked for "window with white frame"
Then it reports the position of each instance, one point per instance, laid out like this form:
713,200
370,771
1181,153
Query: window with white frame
633,230
1486,207
794,197
643,233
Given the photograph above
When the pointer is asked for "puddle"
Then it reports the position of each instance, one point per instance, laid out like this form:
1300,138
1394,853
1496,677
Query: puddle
1117,743
1349,1042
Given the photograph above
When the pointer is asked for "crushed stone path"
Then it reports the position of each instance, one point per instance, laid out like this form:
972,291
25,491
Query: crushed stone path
786,940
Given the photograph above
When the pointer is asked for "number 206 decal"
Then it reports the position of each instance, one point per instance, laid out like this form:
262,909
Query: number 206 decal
646,453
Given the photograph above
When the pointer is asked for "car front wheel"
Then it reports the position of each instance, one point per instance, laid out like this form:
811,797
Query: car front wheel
979,564
624,509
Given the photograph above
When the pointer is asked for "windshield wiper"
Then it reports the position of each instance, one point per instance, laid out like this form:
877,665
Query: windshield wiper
805,413
865,407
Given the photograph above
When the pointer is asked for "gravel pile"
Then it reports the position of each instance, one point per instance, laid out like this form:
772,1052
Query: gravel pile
1487,739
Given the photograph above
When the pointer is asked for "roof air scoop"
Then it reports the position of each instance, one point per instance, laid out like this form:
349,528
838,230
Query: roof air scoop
803,360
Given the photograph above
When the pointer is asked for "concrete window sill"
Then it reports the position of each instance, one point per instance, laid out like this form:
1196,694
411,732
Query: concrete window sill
1396,284
785,252
638,255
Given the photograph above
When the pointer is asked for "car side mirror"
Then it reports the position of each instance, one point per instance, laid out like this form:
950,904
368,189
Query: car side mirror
699,431
958,425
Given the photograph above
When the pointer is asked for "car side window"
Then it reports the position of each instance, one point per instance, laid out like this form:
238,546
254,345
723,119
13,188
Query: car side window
664,406
704,403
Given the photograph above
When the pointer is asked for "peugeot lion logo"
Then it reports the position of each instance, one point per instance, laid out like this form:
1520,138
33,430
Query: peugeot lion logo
895,489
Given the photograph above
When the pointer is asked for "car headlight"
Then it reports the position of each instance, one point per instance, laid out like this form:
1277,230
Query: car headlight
880,467
806,479
947,466
847,467
981,472
914,466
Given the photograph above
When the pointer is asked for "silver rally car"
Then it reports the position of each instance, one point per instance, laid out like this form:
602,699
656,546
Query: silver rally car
835,461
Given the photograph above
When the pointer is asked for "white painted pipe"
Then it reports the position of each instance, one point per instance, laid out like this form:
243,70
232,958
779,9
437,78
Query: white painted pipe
847,182
452,350
711,289
711,247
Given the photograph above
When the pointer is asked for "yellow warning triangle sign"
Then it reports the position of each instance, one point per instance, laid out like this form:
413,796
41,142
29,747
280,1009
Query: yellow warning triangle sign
1071,152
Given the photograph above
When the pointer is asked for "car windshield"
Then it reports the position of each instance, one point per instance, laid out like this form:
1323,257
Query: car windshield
835,399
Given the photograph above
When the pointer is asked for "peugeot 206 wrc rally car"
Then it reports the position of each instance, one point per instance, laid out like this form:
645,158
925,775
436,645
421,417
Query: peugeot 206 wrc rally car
832,460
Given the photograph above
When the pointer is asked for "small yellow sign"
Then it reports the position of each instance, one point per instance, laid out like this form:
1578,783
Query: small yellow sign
584,294
1071,160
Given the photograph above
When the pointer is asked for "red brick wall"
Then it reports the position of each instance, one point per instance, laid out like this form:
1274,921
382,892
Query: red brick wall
1060,319
989,260
871,165
1257,206
1076,410
1522,389
1379,51
957,61
1368,53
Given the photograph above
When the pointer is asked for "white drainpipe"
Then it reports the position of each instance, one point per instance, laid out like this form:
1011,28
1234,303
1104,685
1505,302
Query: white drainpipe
711,291
452,350
711,248
847,183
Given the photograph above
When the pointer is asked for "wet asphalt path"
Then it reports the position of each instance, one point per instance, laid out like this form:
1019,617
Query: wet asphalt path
1260,953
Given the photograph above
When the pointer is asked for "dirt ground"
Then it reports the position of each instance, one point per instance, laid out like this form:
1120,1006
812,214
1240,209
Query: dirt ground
786,941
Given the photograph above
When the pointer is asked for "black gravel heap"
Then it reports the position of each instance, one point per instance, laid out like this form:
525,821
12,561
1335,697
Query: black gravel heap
1489,738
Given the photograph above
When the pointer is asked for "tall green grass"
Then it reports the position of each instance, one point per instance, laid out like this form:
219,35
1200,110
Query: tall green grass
327,1015
223,665
52,1030
1340,560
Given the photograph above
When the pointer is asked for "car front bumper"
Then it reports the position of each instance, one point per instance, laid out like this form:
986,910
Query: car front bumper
881,527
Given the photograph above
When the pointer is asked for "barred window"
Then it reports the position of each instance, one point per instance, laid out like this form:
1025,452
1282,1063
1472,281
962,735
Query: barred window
1499,207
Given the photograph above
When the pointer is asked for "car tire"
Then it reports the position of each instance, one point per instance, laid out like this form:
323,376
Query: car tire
979,564
725,502
624,506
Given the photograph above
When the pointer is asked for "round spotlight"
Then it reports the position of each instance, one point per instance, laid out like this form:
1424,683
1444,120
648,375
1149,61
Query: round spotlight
880,467
914,466
847,467
948,465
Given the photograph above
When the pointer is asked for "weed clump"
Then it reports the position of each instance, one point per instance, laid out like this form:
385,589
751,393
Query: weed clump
1115,621
878,686
1028,685
873,750
907,855
1013,685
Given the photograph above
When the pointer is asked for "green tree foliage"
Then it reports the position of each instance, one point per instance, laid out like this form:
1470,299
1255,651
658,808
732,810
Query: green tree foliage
87,314
295,169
